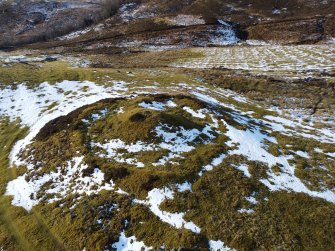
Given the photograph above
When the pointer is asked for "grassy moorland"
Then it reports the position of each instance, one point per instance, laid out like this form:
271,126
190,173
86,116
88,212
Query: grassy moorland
100,157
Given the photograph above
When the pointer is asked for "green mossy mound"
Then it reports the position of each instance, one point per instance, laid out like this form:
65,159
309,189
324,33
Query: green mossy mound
224,203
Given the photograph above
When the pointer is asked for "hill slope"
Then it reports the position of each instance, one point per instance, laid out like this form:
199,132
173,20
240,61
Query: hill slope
167,125
167,23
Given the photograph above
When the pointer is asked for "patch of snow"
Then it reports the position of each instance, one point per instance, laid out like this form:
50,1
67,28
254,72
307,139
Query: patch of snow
276,11
225,35
206,98
270,60
120,191
21,191
61,183
158,106
155,198
186,186
250,143
129,243
77,62
120,85
318,150
246,211
244,168
218,246
120,110
290,127
330,154
96,116
131,11
197,114
31,105
303,154
331,40
186,20
256,42
178,140
162,47
222,22
24,59
215,162
114,145
75,34
252,199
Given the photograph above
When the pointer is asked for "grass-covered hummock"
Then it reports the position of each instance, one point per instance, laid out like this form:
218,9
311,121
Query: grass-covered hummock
120,139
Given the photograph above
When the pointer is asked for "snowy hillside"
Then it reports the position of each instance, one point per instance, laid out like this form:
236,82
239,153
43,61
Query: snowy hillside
167,125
